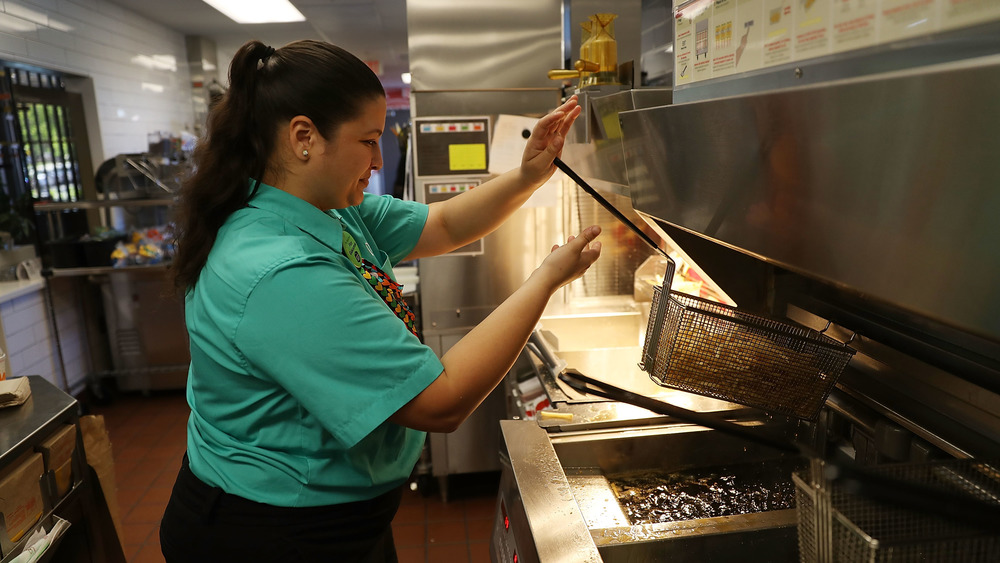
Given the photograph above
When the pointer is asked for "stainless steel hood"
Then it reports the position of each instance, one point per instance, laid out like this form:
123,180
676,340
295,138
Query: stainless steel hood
887,186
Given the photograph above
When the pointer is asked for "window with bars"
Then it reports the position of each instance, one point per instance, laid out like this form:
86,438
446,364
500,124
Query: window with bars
51,171
39,160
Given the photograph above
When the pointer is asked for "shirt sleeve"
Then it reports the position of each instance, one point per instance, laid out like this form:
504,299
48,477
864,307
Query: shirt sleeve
394,224
313,327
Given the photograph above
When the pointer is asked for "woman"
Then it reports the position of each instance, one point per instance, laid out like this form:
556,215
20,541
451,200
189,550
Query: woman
310,393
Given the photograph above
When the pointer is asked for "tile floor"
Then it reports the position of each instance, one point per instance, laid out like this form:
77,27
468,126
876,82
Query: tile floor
148,439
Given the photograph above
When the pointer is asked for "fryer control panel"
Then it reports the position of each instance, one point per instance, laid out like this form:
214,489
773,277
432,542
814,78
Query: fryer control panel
451,146
440,190
503,545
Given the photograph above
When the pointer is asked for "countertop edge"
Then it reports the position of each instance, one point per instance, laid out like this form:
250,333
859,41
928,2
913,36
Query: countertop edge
14,289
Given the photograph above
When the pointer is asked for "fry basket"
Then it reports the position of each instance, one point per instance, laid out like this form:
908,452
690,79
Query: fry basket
835,524
711,349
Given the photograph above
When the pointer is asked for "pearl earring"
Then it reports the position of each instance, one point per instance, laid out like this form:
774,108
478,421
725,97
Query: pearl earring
305,153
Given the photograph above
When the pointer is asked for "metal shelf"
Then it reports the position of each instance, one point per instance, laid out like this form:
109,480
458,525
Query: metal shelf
90,270
103,203
142,371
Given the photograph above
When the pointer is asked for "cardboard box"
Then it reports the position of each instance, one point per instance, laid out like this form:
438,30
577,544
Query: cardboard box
57,455
21,502
63,479
58,447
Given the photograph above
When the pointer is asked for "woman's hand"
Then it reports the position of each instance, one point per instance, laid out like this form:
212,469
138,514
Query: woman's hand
568,262
478,362
546,142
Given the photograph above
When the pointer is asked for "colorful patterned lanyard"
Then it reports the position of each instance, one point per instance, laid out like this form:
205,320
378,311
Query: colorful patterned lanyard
390,291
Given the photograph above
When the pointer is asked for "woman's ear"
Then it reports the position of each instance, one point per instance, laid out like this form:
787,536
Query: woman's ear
302,136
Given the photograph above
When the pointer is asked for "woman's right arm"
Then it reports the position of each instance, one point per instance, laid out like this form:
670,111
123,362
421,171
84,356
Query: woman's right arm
478,362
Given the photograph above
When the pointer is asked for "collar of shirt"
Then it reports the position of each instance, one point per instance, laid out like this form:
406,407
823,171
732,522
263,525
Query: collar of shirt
324,226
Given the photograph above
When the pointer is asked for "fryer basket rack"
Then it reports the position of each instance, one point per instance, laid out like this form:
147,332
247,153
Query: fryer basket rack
835,524
708,348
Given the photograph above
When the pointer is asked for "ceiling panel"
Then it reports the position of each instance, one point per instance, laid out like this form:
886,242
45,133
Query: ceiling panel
371,29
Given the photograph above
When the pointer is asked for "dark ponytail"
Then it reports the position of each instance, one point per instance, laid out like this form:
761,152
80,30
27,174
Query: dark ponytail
267,87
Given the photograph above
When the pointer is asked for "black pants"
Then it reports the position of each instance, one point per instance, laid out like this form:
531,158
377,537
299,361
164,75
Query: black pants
203,523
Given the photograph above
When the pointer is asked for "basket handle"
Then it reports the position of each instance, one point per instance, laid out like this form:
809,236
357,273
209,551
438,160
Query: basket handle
591,386
668,275
611,209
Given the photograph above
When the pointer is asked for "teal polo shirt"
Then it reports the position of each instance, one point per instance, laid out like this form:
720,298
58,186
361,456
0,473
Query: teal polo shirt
296,362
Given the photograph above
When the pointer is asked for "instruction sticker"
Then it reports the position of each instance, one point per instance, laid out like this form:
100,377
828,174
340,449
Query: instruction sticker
467,157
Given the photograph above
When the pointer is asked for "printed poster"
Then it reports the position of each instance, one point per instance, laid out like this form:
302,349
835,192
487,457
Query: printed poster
749,35
812,28
854,24
683,49
715,38
723,44
777,36
960,13
907,18
703,44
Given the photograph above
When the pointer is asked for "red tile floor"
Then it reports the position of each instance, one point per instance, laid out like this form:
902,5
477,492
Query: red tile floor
148,439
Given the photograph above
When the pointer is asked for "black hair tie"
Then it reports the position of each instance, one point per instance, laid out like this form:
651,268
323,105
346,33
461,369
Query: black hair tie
268,51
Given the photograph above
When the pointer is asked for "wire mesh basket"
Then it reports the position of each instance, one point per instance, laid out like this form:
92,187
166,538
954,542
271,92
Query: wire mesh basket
835,524
712,349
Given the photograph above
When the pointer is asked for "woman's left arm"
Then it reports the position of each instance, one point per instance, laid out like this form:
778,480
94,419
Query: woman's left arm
474,214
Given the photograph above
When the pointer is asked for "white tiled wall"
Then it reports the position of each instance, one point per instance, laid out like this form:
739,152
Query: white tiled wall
30,338
139,67
142,85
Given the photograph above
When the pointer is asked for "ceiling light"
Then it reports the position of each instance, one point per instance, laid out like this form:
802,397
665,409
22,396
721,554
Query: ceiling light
405,77
257,11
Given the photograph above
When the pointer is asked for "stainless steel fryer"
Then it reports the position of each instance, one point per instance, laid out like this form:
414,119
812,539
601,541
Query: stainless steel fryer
836,523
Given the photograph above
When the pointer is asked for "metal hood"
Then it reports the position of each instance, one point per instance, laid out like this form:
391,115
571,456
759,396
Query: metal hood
886,188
